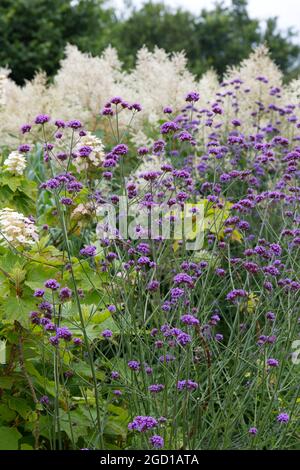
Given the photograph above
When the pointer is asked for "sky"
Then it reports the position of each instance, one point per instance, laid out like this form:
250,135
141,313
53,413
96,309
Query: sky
288,11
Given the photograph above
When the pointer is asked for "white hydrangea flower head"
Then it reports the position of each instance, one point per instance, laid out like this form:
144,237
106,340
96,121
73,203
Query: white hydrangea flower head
16,229
15,163
95,158
82,210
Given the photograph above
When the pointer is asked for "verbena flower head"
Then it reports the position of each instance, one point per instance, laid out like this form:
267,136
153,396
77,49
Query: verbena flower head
189,320
192,96
64,333
236,294
169,127
283,418
219,337
187,384
107,334
115,375
271,362
39,293
134,365
42,119
65,293
89,251
142,423
156,441
111,308
24,148
44,400
74,124
25,128
77,341
253,431
52,284
156,388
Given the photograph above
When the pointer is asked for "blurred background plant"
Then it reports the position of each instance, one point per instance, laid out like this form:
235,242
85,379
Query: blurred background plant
34,34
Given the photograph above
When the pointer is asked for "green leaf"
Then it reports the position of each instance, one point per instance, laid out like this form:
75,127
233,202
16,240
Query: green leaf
21,406
115,428
75,424
13,182
8,261
37,274
45,423
26,447
45,383
9,438
100,317
6,382
16,308
6,415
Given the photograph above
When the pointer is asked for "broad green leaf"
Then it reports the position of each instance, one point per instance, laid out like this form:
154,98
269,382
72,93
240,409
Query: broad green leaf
17,308
20,405
9,438
6,415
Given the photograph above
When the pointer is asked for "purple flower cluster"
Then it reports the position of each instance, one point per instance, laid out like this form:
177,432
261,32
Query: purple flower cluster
143,423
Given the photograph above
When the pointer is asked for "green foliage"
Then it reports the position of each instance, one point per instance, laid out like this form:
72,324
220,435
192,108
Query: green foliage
33,34
18,193
9,438
217,38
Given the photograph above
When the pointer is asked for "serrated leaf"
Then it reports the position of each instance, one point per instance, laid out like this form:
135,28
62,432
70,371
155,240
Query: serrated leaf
17,309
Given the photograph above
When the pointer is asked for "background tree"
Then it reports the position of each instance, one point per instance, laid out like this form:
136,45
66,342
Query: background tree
221,36
33,34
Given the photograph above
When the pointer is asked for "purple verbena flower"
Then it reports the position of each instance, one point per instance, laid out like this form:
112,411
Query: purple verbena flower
42,119
39,293
189,320
74,124
65,293
271,362
187,384
253,431
142,423
192,96
52,284
156,388
283,418
156,441
89,250
107,334
134,365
